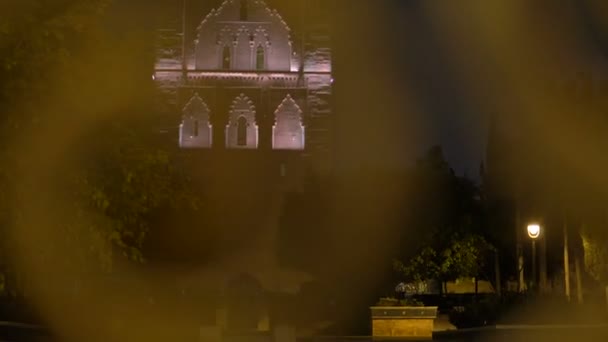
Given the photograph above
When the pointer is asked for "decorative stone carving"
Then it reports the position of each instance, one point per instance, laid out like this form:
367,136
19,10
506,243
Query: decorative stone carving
195,130
288,130
242,130
262,26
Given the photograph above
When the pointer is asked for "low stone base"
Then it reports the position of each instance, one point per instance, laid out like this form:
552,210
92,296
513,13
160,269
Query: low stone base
403,322
402,327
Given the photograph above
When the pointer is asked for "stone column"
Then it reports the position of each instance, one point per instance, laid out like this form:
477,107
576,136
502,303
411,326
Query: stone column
264,120
219,118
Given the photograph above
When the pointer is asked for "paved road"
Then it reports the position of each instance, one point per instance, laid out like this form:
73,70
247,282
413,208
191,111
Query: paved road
536,333
16,332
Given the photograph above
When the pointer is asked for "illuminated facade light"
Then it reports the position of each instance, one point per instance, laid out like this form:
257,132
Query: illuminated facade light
242,47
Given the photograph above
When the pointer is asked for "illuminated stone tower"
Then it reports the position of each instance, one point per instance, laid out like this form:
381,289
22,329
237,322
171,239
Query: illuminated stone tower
248,104
246,81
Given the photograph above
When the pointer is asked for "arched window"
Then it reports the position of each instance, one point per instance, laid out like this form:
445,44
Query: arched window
260,58
195,129
242,130
244,10
288,131
241,135
226,58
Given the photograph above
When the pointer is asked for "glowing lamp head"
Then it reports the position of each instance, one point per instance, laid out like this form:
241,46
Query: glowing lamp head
533,231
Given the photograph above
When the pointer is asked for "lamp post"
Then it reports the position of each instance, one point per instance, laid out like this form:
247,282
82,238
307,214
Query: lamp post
533,233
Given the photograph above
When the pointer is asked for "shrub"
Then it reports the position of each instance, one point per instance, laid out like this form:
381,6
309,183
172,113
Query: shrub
477,314
389,301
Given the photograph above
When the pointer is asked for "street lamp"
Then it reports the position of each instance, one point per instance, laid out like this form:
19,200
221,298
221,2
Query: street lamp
533,233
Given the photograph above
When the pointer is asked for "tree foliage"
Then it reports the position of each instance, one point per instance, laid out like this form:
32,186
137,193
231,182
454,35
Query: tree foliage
70,91
38,36
424,266
465,257
595,247
448,210
461,257
123,182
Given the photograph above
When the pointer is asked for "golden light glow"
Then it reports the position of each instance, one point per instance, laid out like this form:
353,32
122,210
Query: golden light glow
534,230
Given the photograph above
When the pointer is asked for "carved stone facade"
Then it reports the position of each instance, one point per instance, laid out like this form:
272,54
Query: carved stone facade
243,35
288,132
242,130
195,129
247,73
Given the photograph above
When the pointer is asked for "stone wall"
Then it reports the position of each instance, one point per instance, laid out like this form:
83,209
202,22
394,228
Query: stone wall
320,120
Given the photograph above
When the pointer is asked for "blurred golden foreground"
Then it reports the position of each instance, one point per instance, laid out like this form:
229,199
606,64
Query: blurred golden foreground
506,54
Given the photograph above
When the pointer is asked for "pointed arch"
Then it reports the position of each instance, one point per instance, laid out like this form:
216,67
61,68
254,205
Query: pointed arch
196,130
242,130
260,58
226,57
288,132
231,15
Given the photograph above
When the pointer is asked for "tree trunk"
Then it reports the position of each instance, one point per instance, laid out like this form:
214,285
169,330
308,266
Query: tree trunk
20,286
606,297
521,285
497,274
476,286
566,262
520,271
579,280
